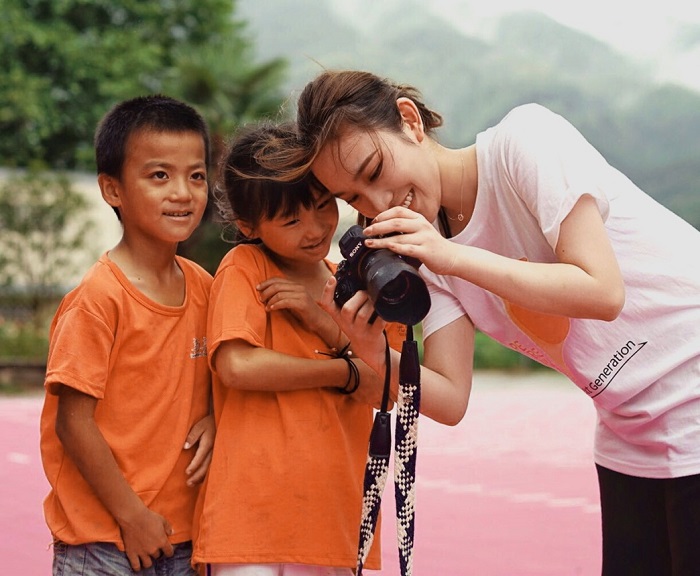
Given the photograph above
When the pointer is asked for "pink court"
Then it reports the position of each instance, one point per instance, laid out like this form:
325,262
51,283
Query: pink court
510,491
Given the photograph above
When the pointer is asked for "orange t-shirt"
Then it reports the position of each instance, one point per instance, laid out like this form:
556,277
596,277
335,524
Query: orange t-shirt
285,482
147,365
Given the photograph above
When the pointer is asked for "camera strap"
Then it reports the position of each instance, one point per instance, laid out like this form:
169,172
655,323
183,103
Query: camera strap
405,451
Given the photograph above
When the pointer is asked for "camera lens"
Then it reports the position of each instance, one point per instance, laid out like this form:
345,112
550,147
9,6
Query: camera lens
393,284
396,290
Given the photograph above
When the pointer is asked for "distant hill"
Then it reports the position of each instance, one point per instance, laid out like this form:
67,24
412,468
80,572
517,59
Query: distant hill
649,131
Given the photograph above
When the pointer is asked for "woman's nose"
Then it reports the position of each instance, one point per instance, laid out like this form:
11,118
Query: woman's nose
380,200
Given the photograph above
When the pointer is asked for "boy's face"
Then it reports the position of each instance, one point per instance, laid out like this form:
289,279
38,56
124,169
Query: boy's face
162,192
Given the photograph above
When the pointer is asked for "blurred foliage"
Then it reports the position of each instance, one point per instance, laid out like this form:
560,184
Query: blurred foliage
68,61
22,340
490,355
45,226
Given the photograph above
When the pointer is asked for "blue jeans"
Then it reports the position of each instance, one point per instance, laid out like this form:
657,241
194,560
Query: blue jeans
105,559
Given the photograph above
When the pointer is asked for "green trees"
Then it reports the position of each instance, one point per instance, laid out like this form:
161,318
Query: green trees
64,64
44,233
45,227
67,61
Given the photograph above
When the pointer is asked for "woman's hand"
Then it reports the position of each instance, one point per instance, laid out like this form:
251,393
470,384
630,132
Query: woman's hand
412,235
359,322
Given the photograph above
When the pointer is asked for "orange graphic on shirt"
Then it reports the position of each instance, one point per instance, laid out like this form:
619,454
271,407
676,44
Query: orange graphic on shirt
547,331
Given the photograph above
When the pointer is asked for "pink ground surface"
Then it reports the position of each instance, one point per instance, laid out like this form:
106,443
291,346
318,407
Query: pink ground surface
511,491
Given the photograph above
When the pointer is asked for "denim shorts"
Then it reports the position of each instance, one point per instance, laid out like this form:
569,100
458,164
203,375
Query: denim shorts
105,559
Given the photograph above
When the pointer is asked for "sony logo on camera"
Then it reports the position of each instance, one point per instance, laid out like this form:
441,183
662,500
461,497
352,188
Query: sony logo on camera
355,249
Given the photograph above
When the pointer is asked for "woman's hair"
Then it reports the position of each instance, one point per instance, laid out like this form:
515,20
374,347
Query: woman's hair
339,100
249,192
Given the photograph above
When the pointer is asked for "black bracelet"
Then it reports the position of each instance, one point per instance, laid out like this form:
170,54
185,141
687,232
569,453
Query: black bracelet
344,351
353,382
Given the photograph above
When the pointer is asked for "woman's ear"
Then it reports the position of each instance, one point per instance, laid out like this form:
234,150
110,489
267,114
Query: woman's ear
109,187
412,121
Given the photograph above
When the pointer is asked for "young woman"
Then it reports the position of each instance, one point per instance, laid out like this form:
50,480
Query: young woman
531,237
293,409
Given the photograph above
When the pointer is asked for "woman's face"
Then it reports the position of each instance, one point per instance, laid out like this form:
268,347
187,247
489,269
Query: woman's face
376,171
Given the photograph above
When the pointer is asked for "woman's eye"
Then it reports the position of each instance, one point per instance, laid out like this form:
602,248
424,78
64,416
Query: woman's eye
377,172
160,175
199,176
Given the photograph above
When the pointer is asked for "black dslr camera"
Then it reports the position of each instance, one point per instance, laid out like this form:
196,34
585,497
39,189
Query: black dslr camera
392,281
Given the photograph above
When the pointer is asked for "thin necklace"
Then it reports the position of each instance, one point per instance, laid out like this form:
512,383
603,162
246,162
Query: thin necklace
460,216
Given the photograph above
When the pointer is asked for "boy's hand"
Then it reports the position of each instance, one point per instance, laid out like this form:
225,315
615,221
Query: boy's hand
202,434
146,538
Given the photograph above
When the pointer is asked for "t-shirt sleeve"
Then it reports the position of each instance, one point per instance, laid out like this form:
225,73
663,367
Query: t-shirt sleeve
550,165
444,306
235,309
80,350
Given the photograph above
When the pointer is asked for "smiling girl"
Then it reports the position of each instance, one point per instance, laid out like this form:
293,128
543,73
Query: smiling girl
293,408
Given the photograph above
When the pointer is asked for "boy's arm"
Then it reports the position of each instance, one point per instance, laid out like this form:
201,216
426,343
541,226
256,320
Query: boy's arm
144,532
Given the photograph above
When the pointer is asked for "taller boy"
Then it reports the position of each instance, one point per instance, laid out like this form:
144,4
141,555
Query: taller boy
127,383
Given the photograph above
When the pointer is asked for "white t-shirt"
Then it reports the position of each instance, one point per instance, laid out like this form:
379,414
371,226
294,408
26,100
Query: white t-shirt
643,369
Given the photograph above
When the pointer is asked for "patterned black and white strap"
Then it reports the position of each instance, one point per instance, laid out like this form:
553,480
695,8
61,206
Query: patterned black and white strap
405,451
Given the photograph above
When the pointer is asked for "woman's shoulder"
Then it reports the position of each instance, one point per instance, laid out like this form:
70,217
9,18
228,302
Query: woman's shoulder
534,122
529,131
524,120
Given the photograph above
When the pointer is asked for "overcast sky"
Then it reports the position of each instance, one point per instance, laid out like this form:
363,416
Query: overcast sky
650,31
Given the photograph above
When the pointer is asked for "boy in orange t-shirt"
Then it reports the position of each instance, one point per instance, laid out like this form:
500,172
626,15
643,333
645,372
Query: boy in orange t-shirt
127,382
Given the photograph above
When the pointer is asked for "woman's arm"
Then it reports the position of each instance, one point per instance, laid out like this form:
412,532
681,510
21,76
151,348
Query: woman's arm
585,283
446,373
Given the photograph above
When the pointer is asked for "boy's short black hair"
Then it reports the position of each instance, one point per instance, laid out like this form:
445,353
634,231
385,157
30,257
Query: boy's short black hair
155,112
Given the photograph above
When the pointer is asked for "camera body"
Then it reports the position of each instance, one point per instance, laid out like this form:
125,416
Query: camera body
398,292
